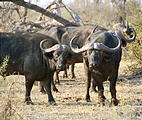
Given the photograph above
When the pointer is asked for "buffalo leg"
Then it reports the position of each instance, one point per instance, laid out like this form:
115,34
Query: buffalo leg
57,77
114,101
88,87
65,75
53,85
101,97
29,84
94,85
41,88
72,71
47,85
88,82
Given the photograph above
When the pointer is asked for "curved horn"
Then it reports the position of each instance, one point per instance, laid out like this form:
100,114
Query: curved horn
46,50
127,25
101,46
93,30
120,35
53,48
98,46
77,50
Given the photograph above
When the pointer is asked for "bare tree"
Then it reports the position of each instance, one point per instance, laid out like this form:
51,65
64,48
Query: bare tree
120,5
41,10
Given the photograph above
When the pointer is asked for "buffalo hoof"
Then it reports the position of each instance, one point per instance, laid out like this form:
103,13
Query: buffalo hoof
94,90
114,102
104,98
65,76
88,100
55,89
53,103
101,104
29,102
57,82
73,77
43,92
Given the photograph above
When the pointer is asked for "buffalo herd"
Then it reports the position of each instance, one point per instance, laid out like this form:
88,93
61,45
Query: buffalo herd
38,56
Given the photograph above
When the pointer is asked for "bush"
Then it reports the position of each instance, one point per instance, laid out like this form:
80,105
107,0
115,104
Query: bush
3,67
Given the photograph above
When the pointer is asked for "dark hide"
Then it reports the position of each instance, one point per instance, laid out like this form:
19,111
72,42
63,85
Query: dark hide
65,34
26,58
100,65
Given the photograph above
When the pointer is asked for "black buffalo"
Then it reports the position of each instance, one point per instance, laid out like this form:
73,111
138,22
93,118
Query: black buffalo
101,57
64,34
34,55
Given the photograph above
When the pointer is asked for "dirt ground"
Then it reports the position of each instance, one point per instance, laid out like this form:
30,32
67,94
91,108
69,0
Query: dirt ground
71,104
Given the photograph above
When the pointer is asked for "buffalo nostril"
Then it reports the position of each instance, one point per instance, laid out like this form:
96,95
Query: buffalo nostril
62,67
59,66
93,65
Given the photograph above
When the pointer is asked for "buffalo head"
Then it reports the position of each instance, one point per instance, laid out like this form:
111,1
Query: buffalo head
101,44
58,53
98,49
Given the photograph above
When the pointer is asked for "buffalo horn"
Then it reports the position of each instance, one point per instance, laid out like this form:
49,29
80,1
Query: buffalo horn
127,25
53,48
77,50
93,30
120,35
98,46
101,46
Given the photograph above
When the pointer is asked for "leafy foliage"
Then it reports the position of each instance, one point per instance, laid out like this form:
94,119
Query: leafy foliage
136,47
3,66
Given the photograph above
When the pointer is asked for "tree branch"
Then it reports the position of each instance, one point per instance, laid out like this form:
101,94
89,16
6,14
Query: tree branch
136,55
74,15
40,10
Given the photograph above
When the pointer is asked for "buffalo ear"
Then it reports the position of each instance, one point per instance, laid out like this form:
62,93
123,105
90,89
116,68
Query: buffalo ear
49,55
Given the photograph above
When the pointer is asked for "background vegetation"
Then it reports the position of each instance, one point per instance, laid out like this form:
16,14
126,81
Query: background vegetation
108,12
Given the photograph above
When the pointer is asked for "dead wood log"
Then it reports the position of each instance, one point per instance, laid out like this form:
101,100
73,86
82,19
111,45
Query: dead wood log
41,10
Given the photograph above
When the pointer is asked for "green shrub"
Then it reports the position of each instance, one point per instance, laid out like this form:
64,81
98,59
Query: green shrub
3,67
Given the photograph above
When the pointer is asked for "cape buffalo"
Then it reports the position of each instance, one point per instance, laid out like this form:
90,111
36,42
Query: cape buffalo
64,34
101,57
34,55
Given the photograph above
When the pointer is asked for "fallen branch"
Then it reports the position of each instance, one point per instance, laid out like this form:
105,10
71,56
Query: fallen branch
41,10
32,24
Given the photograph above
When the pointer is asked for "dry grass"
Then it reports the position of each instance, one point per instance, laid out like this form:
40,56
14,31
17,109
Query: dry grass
70,101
